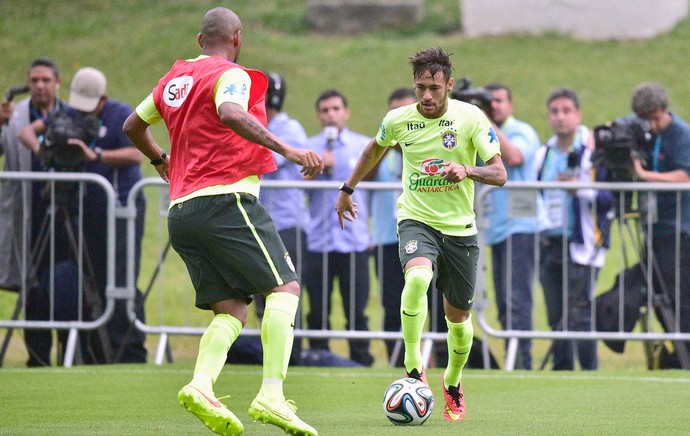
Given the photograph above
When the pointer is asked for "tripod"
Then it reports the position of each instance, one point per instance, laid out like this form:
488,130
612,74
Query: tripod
58,215
628,220
660,296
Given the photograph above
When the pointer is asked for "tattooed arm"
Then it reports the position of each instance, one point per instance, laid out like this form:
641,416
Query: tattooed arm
248,127
493,173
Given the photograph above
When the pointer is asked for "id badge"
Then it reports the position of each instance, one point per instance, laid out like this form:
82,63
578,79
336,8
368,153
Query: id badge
554,208
651,207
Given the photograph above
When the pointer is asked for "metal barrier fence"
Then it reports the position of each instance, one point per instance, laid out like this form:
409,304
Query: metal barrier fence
159,321
63,208
633,234
170,310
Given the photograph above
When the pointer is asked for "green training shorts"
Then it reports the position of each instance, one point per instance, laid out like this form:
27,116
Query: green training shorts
453,257
230,246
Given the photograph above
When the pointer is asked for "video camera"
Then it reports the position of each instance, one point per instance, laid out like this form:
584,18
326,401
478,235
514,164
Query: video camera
57,152
480,97
617,142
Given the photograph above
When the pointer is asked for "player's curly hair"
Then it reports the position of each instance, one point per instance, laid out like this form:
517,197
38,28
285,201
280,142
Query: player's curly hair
434,60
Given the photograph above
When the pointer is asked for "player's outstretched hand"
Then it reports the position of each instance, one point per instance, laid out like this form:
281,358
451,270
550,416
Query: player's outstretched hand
312,164
345,206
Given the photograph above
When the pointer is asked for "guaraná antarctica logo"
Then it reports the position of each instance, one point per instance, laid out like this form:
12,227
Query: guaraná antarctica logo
427,180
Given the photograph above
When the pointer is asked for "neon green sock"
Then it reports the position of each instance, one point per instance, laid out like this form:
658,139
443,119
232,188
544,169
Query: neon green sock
413,312
460,336
214,345
277,335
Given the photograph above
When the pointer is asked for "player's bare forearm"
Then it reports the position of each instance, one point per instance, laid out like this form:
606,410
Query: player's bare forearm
494,173
139,133
370,156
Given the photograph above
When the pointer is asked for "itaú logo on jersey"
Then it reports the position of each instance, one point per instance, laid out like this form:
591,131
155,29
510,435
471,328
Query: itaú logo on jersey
177,90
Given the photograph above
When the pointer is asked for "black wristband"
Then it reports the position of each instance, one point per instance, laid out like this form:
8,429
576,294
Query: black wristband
346,189
160,160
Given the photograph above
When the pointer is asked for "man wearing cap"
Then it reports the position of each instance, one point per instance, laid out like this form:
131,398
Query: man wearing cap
112,155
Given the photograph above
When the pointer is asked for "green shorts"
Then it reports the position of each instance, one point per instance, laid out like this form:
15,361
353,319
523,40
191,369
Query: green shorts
230,246
454,259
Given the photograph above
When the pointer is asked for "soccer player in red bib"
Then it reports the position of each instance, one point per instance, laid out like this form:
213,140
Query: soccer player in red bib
215,113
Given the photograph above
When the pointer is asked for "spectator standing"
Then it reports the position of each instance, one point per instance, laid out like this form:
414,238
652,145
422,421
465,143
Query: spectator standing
512,240
385,230
287,207
215,112
568,216
331,253
43,80
670,163
440,140
112,155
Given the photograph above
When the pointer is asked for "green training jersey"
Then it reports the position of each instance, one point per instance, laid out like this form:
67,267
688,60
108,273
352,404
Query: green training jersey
459,136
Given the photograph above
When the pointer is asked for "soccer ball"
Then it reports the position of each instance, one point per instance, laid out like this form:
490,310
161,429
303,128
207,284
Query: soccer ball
408,401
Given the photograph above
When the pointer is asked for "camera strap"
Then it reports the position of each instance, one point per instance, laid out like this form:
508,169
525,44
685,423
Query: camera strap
656,153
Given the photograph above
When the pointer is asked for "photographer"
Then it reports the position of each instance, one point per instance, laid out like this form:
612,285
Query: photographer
43,81
107,152
670,163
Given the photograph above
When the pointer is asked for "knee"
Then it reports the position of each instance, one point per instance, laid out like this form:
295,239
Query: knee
417,279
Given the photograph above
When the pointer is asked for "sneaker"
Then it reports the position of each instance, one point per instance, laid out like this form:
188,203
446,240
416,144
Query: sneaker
281,414
416,375
210,411
454,409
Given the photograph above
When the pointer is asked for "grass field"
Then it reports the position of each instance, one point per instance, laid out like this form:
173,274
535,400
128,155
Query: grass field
141,400
134,42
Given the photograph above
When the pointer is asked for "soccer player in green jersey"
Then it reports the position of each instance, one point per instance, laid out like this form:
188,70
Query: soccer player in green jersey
440,140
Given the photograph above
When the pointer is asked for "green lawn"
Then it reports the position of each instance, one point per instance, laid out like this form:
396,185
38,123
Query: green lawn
134,42
141,400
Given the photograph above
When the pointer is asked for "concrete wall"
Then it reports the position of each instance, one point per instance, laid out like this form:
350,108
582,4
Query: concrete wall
582,19
353,16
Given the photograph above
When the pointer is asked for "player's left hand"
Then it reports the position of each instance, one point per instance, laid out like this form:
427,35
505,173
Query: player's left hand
453,172
344,206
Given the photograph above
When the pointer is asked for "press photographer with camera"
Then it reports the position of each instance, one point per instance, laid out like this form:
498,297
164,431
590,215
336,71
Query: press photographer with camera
669,163
86,135
43,81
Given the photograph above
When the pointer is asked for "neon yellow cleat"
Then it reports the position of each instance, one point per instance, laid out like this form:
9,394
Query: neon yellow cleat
281,414
210,411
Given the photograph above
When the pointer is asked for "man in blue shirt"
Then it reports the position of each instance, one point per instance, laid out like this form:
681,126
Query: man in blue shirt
573,244
670,163
286,206
112,155
331,252
512,239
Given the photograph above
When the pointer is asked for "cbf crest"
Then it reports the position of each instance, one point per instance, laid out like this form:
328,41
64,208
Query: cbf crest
449,140
411,246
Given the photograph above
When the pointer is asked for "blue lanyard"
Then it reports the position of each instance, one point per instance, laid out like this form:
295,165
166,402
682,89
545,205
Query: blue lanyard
655,155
